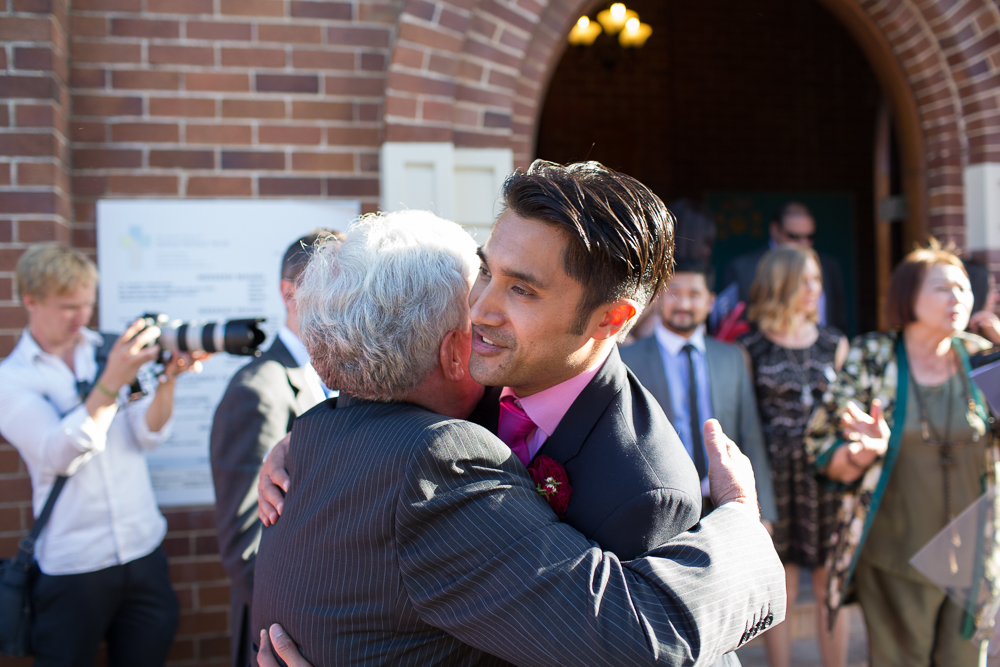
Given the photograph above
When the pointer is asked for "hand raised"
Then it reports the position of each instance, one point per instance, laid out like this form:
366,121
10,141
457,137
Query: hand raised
181,362
987,325
730,475
128,354
870,430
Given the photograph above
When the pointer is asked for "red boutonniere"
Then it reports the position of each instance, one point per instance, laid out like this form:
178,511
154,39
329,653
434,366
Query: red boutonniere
552,483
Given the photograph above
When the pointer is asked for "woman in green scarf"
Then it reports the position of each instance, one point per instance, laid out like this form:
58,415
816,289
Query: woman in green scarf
905,431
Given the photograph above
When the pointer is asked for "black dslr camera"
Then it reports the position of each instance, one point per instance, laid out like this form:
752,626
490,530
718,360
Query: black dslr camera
236,337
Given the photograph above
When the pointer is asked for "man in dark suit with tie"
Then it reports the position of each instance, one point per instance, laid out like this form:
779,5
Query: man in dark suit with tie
408,537
722,389
257,410
794,224
572,260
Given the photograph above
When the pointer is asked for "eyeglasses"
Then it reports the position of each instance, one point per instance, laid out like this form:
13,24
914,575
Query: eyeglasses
798,237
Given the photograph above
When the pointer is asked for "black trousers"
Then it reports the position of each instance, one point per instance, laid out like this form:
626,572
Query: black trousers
132,606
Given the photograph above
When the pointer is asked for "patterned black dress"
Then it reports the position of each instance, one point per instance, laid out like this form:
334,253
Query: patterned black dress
790,384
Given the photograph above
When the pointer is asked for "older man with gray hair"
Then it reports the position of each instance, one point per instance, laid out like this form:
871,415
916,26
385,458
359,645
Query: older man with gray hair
412,537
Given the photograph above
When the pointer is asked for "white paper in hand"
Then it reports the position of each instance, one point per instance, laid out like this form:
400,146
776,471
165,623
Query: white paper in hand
964,561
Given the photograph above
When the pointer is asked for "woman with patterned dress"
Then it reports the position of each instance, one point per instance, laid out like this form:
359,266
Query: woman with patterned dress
794,361
906,432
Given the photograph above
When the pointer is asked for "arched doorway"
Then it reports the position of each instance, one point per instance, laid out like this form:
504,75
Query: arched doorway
738,105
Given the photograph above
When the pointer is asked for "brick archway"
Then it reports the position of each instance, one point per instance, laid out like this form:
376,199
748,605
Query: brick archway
476,74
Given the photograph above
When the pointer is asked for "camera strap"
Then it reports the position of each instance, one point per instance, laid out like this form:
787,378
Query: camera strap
83,387
26,547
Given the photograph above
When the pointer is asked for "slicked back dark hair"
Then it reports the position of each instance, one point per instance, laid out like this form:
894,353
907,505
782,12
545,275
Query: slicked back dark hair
621,235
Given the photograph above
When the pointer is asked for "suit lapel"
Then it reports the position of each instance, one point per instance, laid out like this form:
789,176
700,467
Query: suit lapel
307,393
587,409
307,390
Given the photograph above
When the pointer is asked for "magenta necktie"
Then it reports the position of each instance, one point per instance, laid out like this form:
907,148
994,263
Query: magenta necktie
514,428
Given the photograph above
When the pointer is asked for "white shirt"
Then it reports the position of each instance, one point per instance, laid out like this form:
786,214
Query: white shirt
299,352
107,513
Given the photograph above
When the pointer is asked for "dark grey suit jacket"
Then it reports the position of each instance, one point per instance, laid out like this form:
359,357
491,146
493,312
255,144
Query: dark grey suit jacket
257,410
409,538
634,485
743,269
734,403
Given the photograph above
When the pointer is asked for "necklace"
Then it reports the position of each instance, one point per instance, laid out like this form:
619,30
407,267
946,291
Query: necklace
946,448
802,370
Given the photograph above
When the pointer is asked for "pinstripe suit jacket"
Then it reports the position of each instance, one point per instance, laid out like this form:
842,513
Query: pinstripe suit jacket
257,410
409,538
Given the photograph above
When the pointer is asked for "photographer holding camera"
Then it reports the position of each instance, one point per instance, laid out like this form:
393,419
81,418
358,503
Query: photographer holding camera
103,572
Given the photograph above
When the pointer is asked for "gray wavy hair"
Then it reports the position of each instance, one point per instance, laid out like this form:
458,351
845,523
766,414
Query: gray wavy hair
374,307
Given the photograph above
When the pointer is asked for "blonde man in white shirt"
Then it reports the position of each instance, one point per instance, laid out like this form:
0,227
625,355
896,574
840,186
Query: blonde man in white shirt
103,573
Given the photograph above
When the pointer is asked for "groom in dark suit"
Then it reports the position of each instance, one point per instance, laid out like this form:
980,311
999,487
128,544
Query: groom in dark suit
572,260
412,538
257,410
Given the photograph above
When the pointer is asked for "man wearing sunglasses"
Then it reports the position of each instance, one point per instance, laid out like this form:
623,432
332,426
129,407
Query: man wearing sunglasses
793,224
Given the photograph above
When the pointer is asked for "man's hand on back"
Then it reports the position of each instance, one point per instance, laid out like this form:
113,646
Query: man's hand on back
283,645
273,483
730,475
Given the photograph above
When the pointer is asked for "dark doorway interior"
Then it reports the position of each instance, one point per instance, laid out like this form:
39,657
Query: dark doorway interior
733,103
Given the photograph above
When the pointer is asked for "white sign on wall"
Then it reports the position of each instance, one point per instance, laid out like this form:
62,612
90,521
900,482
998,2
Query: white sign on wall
201,260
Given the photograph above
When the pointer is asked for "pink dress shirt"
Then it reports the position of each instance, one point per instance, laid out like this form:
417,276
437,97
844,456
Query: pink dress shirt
549,406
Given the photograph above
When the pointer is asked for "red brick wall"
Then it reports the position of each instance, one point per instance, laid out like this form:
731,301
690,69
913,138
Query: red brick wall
271,98
34,151
177,98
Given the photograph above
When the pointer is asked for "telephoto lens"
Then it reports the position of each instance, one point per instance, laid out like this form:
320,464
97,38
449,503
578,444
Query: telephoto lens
238,337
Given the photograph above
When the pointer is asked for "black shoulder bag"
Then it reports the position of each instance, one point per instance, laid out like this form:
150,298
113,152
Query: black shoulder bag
18,574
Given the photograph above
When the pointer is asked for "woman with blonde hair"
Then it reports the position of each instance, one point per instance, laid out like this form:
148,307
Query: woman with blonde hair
906,430
794,362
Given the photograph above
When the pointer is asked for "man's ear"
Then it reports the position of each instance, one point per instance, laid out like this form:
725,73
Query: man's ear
616,316
287,290
453,364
